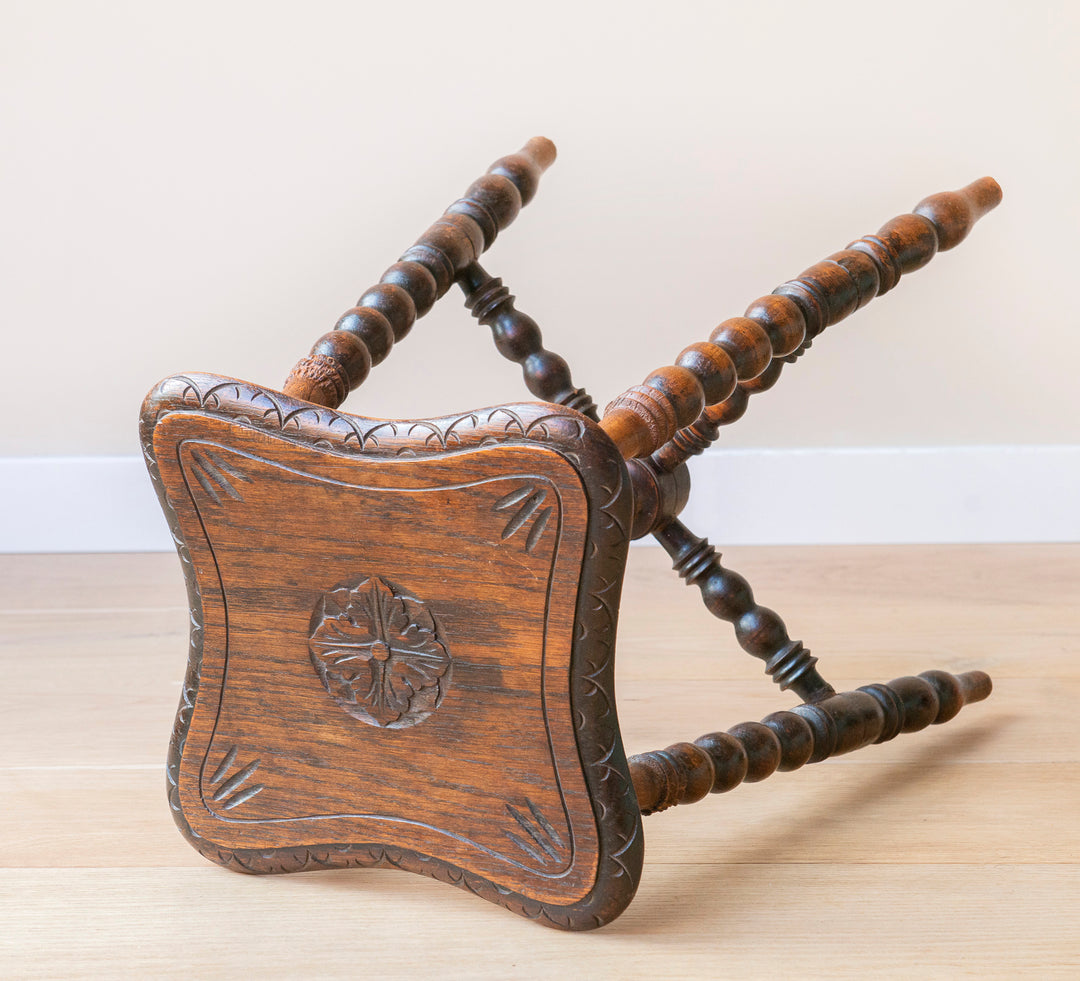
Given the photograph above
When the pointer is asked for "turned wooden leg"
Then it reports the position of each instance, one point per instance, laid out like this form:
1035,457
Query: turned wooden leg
678,409
517,338
363,335
759,630
720,761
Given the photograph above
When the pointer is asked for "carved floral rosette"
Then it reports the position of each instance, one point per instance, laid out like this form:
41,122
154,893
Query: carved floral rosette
379,653
592,658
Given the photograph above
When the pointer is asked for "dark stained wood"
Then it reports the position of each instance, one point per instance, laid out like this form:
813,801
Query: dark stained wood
517,338
352,697
782,325
720,761
659,495
728,596
410,287
403,632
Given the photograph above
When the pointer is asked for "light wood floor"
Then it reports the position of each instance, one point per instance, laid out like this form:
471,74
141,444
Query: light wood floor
953,852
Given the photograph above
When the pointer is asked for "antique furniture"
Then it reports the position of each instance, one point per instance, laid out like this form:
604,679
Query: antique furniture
403,632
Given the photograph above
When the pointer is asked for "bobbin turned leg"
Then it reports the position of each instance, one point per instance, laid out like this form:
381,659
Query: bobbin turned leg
677,411
720,761
363,335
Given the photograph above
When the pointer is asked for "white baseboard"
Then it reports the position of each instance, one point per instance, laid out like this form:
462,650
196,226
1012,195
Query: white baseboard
887,496
740,497
79,504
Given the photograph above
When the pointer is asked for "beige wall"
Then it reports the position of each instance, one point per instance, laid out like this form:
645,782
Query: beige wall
206,186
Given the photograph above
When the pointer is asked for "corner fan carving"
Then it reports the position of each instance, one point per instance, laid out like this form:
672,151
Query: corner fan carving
379,653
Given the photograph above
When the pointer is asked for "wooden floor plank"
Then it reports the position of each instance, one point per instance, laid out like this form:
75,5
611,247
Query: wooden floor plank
953,852
119,712
746,921
50,583
937,810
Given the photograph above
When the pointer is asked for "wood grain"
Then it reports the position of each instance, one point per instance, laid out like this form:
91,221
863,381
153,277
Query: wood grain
749,825
402,643
926,920
363,336
779,328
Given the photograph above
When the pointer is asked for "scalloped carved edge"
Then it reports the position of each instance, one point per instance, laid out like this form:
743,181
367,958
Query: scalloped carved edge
592,698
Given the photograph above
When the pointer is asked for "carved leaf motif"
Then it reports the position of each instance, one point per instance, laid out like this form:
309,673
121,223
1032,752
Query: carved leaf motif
410,676
529,498
217,476
229,790
378,652
541,841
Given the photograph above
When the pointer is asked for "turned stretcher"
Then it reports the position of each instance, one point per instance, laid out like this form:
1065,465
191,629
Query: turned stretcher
403,632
